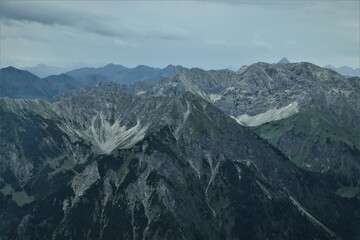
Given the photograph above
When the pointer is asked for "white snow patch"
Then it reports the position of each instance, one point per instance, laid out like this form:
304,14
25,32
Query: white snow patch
233,117
66,204
192,165
140,93
214,97
188,111
108,137
229,89
268,116
213,174
239,171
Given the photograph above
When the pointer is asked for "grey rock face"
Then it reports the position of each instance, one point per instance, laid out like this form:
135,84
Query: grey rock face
84,180
266,86
194,173
263,93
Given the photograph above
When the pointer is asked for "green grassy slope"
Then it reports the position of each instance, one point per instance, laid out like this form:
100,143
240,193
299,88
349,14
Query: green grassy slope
314,142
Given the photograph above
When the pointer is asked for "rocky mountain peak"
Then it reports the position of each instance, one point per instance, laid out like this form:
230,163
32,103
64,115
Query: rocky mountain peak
284,60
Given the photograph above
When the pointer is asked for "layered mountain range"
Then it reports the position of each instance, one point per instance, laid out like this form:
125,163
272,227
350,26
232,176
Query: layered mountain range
269,152
346,71
310,113
15,83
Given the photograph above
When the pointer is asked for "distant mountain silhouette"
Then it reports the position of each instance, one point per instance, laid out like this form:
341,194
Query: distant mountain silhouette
123,75
16,83
284,60
345,70
43,70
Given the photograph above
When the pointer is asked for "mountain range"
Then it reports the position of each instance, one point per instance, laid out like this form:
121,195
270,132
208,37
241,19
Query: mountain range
346,71
15,83
43,70
310,113
268,152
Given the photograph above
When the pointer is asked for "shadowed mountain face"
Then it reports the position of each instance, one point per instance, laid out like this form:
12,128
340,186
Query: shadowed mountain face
15,83
26,84
153,168
324,106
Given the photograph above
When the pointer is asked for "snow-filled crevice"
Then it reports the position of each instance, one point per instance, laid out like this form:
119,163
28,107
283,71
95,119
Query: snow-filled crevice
268,116
214,97
109,136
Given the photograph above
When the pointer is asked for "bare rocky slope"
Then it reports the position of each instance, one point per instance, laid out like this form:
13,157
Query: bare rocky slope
107,165
311,114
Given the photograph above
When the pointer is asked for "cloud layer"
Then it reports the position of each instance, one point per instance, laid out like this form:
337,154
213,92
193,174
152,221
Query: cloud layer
57,13
207,34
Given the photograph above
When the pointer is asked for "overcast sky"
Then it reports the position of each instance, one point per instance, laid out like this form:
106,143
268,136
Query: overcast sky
207,34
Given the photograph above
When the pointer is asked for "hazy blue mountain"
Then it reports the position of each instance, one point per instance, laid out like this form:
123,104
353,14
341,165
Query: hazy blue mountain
143,73
153,168
122,75
15,83
43,70
107,71
345,70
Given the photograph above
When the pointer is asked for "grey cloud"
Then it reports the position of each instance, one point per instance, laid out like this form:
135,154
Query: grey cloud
26,11
164,32
108,30
51,13
209,34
